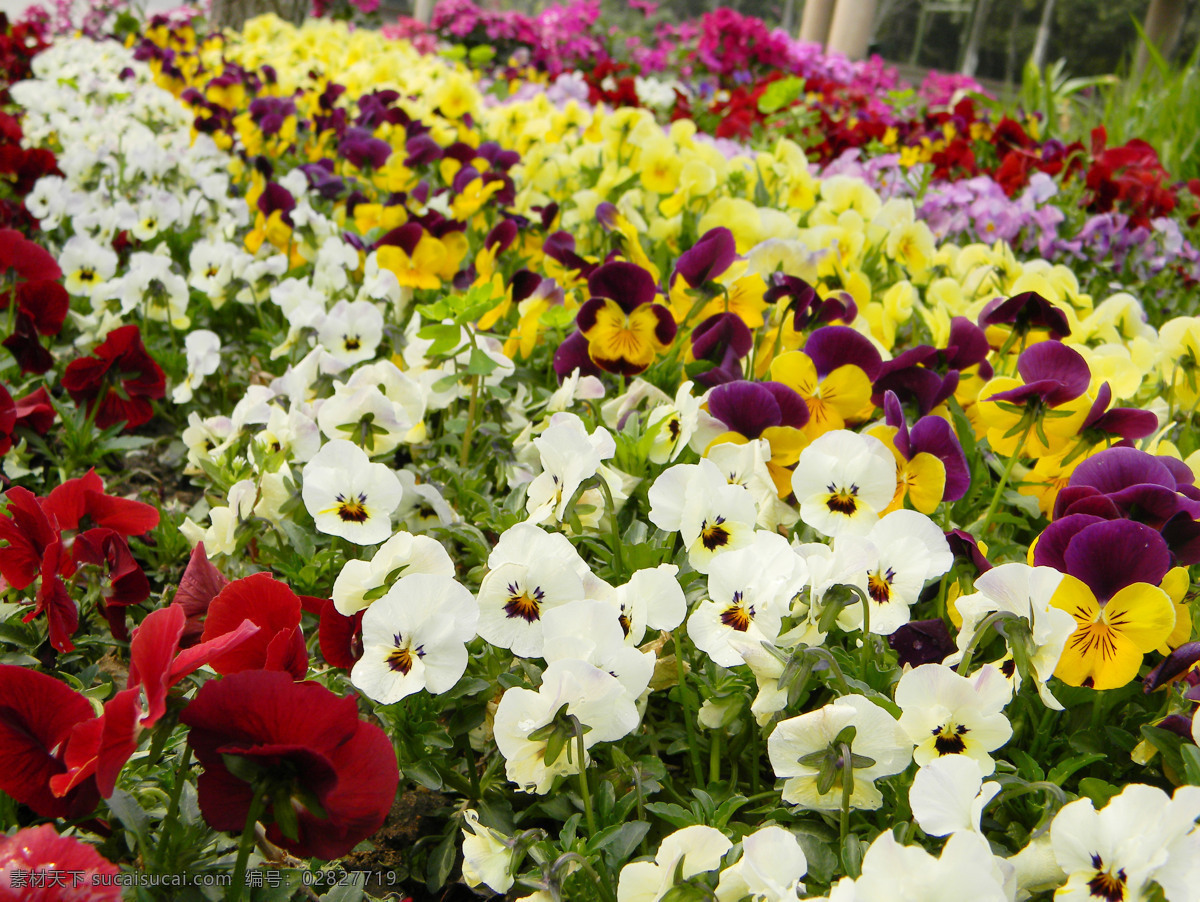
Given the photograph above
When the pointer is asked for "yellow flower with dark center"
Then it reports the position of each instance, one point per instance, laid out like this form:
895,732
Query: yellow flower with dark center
400,659
624,328
420,270
1107,647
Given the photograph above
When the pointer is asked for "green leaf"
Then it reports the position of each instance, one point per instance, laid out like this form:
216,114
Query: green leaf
780,94
441,861
1191,763
1099,791
675,815
618,842
1059,773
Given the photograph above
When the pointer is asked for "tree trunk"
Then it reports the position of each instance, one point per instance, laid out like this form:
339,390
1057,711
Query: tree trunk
978,21
1043,35
235,13
1164,21
789,15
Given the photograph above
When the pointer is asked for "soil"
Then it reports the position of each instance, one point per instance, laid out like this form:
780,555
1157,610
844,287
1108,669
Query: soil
394,873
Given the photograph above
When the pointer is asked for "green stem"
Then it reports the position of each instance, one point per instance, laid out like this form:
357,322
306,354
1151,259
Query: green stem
865,654
685,698
614,526
963,667
168,822
584,789
714,757
468,432
257,806
1004,477
847,791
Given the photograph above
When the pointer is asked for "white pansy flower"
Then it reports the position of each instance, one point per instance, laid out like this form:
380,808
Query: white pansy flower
349,496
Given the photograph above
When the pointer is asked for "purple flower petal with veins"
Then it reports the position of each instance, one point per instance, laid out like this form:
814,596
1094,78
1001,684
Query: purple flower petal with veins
1051,547
1123,421
750,407
572,355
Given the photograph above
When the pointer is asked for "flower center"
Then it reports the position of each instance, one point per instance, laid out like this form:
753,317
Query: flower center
948,738
843,501
737,618
400,658
352,343
879,586
524,604
354,509
714,535
1106,884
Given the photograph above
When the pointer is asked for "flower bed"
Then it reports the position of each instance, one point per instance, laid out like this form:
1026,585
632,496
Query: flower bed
654,519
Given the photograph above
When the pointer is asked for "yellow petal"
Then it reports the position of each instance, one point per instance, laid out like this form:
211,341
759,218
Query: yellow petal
796,370
925,477
1143,613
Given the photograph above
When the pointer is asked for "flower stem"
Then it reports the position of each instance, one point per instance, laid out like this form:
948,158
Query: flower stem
615,527
685,697
714,757
469,431
584,789
1004,477
168,821
257,806
847,791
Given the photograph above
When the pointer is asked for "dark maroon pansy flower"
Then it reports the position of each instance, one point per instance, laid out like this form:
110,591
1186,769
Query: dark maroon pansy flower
748,408
922,642
27,532
1125,482
34,411
930,435
26,346
501,237
707,258
1107,555
1053,374
121,377
309,750
127,583
339,636
722,340
83,499
832,346
31,261
1025,311
1126,422
276,198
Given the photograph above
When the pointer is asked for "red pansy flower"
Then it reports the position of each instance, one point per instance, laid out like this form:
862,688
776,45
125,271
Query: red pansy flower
331,776
37,714
274,607
201,583
73,864
121,378
84,496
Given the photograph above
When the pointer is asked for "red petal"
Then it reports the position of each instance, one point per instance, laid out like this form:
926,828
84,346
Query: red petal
261,598
200,584
41,849
37,713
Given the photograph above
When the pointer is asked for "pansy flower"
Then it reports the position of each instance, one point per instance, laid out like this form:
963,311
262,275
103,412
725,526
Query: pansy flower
930,464
118,382
349,496
1043,410
624,326
1113,572
711,515
833,374
1129,483
414,638
331,776
844,481
945,713
767,410
909,550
